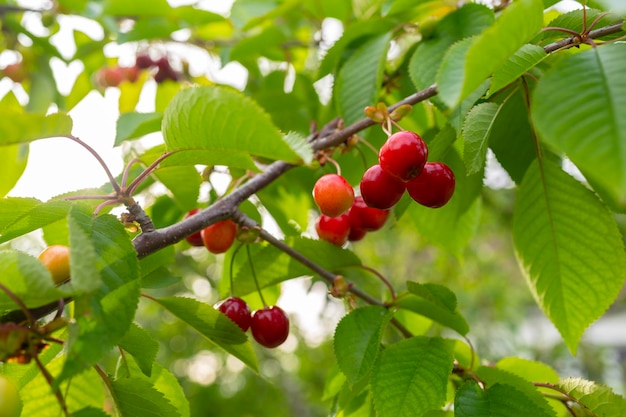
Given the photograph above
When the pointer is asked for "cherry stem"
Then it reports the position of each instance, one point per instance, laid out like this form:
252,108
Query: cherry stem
472,359
369,145
232,264
20,303
382,278
50,380
127,171
99,159
135,183
336,165
256,282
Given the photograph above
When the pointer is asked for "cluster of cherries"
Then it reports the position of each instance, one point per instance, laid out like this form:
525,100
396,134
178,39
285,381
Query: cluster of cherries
402,166
113,76
269,325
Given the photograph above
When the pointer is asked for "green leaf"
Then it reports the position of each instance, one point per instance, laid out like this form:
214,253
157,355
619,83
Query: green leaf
599,399
487,52
137,397
586,122
360,78
213,325
104,316
267,43
411,376
90,412
84,273
357,341
220,126
532,371
13,159
19,216
436,302
141,346
28,279
476,132
569,249
135,125
138,8
21,127
521,62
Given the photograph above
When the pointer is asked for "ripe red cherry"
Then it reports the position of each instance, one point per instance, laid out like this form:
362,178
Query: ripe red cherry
333,229
356,234
379,189
219,237
365,217
237,310
403,155
110,77
194,239
333,195
434,187
270,326
144,61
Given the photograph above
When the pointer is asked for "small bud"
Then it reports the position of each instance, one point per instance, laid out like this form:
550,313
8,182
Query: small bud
401,112
248,235
340,287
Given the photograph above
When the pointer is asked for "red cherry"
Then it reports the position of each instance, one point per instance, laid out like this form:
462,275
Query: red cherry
379,189
365,217
333,229
16,72
165,71
219,237
237,310
333,195
356,234
144,61
434,187
270,326
194,239
403,155
130,73
110,77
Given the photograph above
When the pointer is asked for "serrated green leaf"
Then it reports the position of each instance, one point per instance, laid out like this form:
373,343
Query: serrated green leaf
213,325
220,126
532,371
137,397
569,249
411,376
495,378
512,138
586,122
517,25
19,216
476,132
90,412
19,127
273,266
360,78
28,279
84,273
13,159
141,346
357,341
600,399
434,301
104,316
135,125
521,62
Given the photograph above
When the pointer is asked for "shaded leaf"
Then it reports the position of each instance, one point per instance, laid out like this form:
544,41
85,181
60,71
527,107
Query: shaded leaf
476,132
141,346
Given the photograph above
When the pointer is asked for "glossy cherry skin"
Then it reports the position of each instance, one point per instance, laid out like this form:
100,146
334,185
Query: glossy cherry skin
379,189
237,310
219,237
270,326
56,259
366,218
403,155
333,229
333,195
194,239
356,234
434,187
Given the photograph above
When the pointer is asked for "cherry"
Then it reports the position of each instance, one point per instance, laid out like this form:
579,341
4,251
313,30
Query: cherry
219,237
434,187
143,61
333,195
379,189
16,72
56,259
237,310
194,239
333,229
110,76
366,218
270,326
10,402
165,71
130,73
403,155
356,234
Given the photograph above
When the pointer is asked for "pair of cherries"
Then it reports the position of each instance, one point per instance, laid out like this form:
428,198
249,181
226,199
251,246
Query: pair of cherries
217,238
269,326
